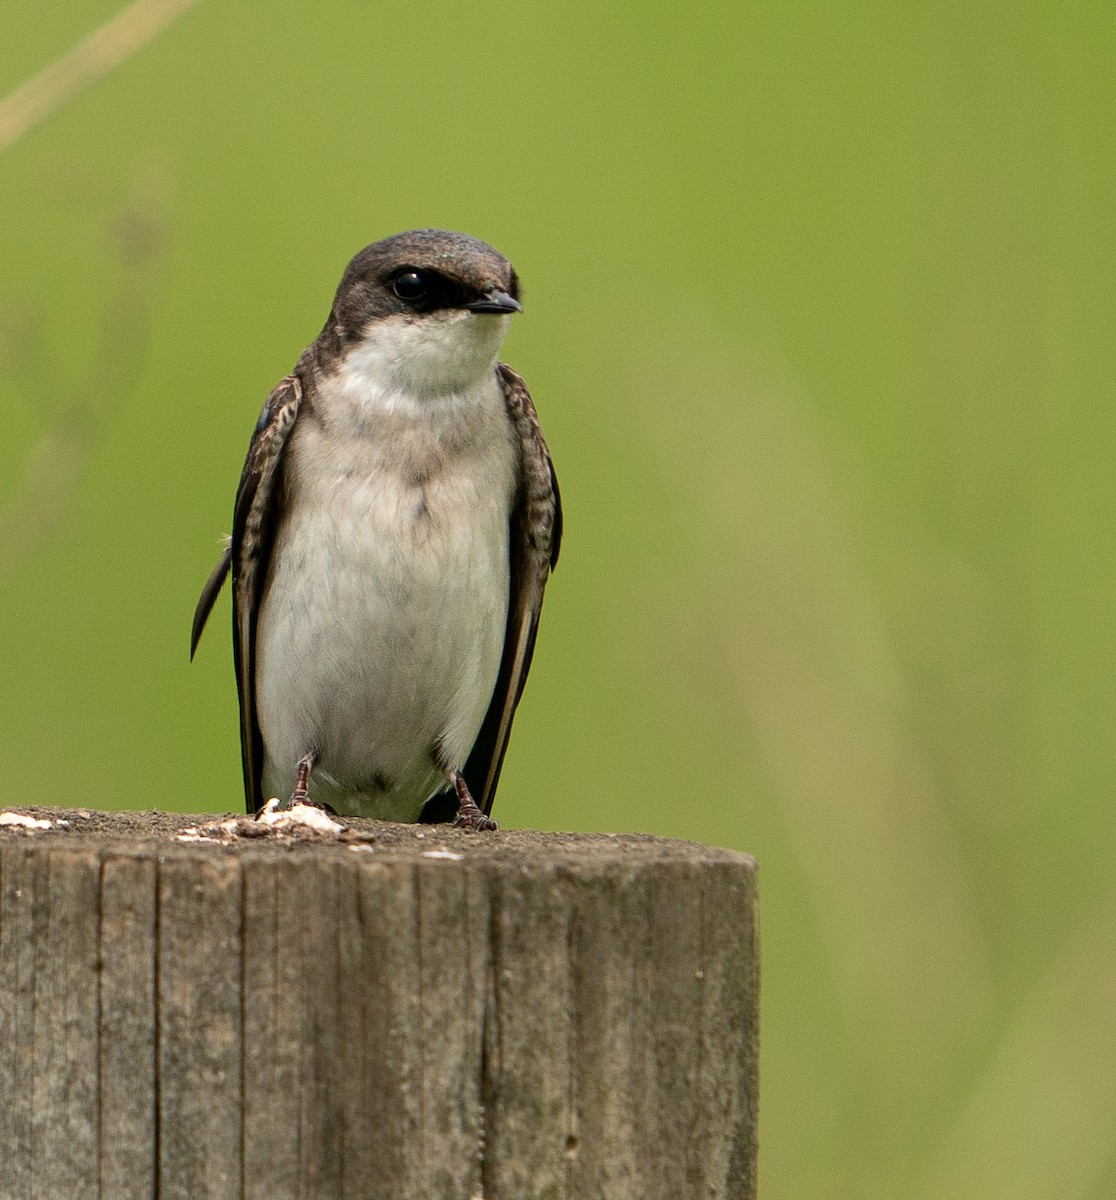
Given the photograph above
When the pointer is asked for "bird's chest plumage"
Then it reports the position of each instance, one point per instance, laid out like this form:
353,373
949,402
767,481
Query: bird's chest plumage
384,614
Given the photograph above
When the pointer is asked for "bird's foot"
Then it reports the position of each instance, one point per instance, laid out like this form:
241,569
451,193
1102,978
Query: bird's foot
300,794
473,821
295,799
301,821
469,816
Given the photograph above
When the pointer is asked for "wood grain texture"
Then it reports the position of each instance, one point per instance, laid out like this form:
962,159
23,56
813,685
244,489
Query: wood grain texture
128,1033
429,1013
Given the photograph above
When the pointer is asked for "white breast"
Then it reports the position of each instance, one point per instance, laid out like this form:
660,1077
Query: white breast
382,627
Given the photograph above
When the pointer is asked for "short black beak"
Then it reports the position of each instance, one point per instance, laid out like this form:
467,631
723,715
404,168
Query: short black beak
495,301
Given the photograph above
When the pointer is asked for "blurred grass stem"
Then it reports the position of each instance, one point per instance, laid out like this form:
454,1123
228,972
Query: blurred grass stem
92,58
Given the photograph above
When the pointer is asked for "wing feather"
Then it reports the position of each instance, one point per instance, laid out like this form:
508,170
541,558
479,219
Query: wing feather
535,538
253,534
208,596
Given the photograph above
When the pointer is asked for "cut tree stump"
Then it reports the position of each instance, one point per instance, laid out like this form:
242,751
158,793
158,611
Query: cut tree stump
404,1012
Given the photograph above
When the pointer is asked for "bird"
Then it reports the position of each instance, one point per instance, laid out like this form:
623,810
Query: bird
395,525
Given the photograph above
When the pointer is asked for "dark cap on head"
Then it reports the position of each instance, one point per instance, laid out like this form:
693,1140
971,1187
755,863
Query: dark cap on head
444,270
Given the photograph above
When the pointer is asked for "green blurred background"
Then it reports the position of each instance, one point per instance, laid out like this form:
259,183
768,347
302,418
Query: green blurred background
820,322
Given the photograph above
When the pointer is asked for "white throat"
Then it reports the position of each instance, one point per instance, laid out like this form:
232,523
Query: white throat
424,359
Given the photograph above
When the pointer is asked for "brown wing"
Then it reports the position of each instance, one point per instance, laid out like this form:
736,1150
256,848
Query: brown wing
248,555
536,533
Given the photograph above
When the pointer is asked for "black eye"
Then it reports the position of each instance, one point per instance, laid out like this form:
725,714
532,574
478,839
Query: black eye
410,286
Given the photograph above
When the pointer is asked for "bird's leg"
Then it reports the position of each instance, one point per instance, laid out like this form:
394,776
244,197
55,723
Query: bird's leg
301,793
468,815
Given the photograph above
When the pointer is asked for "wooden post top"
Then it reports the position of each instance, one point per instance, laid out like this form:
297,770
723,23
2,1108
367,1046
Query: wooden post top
152,831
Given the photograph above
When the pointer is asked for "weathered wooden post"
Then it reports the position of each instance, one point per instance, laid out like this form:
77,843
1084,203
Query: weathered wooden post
418,1015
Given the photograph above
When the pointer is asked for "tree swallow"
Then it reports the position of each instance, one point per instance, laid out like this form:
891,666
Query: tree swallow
394,528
